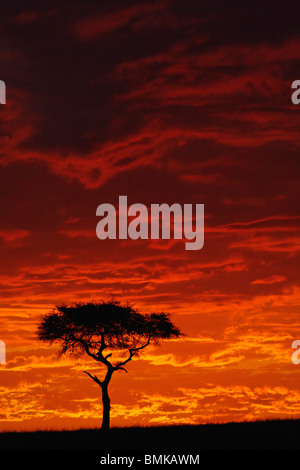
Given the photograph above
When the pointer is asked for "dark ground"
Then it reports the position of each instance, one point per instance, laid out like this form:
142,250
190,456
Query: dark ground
260,435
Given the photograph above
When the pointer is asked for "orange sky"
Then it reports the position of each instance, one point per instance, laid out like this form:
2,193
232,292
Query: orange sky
168,101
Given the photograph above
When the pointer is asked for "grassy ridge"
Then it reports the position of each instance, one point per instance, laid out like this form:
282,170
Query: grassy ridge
265,435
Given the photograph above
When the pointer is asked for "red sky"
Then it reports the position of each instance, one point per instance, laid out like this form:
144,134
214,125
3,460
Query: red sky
168,101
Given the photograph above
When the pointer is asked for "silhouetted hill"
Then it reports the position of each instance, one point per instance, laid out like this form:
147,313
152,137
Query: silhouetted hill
263,435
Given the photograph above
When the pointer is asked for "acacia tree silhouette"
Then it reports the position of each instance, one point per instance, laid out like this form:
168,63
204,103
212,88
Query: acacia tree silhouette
94,327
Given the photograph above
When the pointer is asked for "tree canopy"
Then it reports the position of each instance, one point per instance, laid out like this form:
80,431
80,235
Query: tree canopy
94,326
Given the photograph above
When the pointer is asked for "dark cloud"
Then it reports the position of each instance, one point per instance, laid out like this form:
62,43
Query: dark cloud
94,73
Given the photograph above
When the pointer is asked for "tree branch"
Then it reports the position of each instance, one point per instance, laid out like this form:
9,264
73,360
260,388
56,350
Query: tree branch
94,377
99,356
132,353
86,348
103,345
108,355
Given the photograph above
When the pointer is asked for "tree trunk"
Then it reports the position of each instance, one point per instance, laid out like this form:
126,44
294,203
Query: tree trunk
106,407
